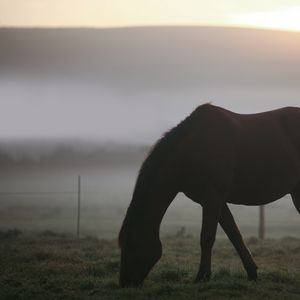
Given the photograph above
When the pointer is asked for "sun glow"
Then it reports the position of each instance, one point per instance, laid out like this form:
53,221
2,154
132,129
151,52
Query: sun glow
271,14
286,19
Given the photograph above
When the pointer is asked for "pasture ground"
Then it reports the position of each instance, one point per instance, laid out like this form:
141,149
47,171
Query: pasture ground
53,266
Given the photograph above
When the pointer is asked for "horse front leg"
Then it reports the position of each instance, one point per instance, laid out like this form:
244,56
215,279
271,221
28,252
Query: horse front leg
212,206
229,226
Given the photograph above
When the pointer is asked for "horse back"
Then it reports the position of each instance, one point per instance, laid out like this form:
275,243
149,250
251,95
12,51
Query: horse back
289,119
267,162
256,156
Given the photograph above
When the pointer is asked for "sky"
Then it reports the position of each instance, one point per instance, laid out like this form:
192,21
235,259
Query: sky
274,14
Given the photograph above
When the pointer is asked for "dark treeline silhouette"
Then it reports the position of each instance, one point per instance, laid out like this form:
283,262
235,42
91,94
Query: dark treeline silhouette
68,156
5,159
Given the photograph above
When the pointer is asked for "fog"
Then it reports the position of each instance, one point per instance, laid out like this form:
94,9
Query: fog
33,108
92,101
129,85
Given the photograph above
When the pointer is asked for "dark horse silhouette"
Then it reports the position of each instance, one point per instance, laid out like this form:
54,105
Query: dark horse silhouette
214,157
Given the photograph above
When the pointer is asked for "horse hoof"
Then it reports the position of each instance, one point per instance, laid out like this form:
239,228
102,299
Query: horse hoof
252,275
252,278
202,278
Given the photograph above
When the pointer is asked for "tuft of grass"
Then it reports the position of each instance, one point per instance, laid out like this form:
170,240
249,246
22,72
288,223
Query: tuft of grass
52,234
171,275
10,234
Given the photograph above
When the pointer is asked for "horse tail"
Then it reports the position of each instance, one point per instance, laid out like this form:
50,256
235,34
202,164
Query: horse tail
296,199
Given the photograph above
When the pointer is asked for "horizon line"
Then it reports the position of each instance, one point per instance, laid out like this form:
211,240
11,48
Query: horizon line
68,27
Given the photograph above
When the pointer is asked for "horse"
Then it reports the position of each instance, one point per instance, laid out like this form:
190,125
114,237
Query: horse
214,157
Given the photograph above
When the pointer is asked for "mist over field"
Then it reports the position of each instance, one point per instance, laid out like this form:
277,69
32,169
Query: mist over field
129,85
93,101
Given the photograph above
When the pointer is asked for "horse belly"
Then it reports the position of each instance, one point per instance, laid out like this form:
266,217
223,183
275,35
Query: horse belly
257,198
266,184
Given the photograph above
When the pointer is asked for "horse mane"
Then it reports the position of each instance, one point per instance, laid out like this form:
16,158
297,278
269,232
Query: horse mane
157,154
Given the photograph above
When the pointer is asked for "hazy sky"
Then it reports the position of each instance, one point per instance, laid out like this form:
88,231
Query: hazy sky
284,14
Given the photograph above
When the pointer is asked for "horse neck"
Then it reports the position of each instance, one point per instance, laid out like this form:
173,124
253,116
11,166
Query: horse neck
151,208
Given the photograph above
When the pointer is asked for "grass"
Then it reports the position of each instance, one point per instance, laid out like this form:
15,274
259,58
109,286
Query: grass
56,266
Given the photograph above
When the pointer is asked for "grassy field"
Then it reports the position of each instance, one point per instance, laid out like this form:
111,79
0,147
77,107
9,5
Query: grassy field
52,266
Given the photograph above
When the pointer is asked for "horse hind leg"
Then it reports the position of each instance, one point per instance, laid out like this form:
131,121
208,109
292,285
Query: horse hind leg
296,198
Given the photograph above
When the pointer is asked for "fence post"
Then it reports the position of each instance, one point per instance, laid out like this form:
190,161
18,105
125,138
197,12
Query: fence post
261,226
78,206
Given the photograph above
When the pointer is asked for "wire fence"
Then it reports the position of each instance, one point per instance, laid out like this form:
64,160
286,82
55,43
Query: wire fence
86,211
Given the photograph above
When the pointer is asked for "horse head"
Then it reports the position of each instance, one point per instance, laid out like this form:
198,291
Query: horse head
140,250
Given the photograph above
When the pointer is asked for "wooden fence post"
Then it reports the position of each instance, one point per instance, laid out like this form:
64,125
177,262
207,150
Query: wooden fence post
78,206
261,226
